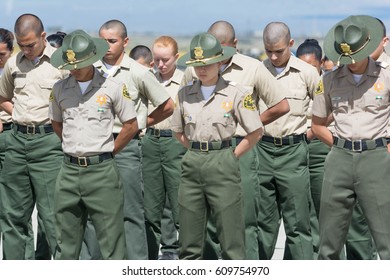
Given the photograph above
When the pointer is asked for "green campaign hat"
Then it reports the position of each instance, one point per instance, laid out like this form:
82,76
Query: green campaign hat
353,39
205,49
78,50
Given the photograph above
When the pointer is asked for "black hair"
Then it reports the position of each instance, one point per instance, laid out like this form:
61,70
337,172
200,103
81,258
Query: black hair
310,46
6,37
55,40
141,51
26,23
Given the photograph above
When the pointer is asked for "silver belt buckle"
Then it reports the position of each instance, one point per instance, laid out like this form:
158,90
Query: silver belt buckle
278,141
30,129
82,161
156,132
204,146
359,144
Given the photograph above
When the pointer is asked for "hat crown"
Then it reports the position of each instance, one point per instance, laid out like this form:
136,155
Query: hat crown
350,32
78,45
205,46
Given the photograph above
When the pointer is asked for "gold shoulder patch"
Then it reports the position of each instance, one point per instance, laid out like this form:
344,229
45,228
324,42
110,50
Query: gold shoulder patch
320,88
248,103
125,92
51,97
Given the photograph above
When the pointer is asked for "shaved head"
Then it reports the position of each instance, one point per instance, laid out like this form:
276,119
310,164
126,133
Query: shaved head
274,32
117,25
27,23
223,31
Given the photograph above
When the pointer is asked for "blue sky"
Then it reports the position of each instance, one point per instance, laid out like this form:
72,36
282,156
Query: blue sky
181,17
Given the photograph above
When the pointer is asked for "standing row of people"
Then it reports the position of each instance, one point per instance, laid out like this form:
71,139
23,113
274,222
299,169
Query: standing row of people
232,160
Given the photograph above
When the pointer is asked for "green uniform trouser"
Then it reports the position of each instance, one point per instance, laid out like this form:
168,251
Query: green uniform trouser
161,169
359,245
284,185
351,176
30,238
169,234
29,172
249,179
317,155
128,162
95,190
210,183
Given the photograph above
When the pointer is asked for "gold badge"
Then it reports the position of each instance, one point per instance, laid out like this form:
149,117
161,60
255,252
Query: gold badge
378,86
125,92
71,56
248,103
101,99
198,51
227,105
51,97
345,48
320,88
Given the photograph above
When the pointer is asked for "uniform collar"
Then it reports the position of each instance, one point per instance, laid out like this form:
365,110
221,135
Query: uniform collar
293,63
220,87
47,52
176,78
124,64
97,81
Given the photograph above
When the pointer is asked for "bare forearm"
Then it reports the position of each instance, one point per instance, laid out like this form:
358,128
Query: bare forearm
321,131
248,142
275,112
161,113
128,131
182,139
57,127
6,105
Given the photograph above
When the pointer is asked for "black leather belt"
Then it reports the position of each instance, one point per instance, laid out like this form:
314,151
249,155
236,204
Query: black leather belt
88,160
7,126
159,132
208,146
360,145
34,129
135,136
238,139
283,141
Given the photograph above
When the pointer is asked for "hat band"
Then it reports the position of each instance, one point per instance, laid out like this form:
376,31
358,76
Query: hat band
347,51
91,54
203,60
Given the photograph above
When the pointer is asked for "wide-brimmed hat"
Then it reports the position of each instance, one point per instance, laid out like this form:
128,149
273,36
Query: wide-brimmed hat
78,50
353,39
205,49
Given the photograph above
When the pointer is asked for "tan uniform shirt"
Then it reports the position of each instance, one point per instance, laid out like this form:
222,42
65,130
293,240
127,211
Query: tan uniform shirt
172,86
4,116
301,80
216,118
251,74
361,111
142,87
29,87
88,118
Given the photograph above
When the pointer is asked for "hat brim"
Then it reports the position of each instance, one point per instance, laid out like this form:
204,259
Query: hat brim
228,52
376,34
58,61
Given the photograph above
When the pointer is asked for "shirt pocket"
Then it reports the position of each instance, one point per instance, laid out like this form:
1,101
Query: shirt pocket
189,125
375,102
224,125
339,104
19,85
68,116
297,105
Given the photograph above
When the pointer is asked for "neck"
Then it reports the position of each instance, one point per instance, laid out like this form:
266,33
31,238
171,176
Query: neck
116,61
168,75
